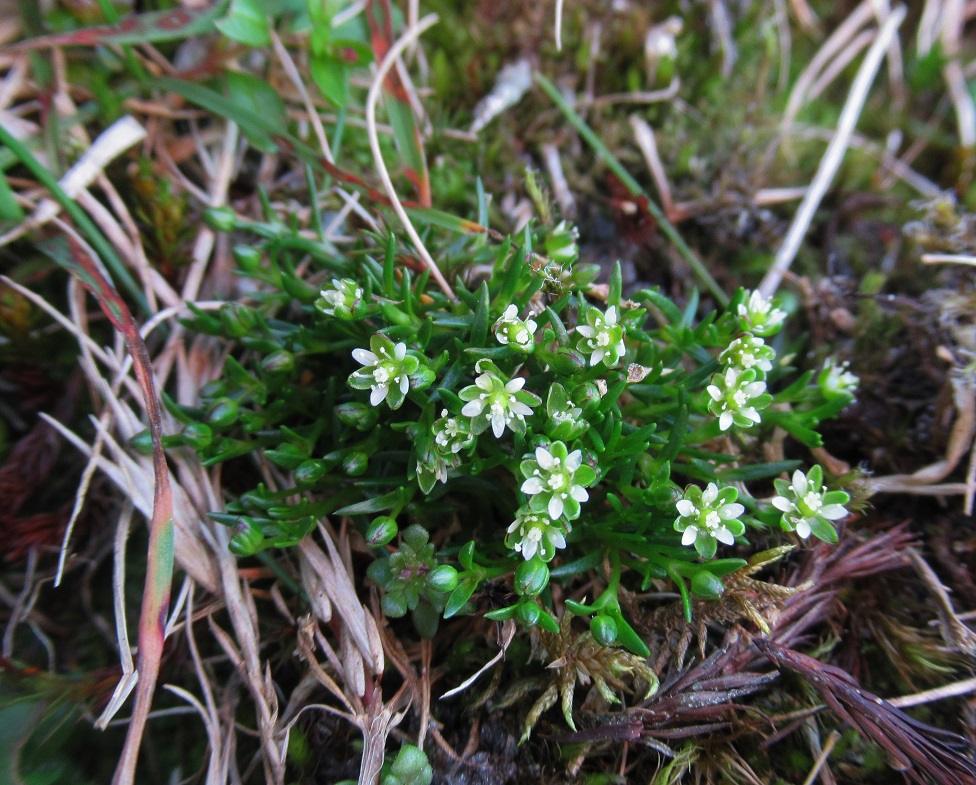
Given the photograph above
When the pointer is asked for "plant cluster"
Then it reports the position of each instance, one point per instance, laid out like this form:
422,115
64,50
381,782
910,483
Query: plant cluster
533,430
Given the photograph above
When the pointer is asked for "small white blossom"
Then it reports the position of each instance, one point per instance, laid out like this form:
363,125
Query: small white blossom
808,507
757,315
386,371
497,401
515,332
836,381
709,516
451,434
749,351
557,479
343,300
602,337
736,396
535,534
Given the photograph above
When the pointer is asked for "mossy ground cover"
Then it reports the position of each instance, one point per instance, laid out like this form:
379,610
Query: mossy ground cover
494,450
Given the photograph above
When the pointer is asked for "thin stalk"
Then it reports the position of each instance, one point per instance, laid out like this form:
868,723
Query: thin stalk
666,227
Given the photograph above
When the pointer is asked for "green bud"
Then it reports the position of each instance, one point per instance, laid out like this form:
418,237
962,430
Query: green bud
443,578
381,531
422,379
531,577
706,585
528,613
197,435
142,442
587,396
248,257
355,463
238,320
603,628
220,219
311,471
278,362
357,415
223,413
248,539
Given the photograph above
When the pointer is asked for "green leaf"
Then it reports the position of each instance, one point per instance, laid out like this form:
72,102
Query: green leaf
9,209
460,596
246,23
331,76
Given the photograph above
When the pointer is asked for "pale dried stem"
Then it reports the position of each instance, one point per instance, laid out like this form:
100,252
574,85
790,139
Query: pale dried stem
374,143
833,156
560,188
644,136
837,40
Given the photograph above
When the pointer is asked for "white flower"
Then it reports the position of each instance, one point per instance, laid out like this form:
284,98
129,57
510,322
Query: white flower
451,435
495,400
736,396
709,516
808,507
836,381
343,300
749,351
601,336
757,315
534,534
386,371
515,332
557,479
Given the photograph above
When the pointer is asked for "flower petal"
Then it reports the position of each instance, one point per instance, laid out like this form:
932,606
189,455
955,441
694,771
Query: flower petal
364,357
574,460
400,350
799,482
498,424
834,512
731,511
710,493
544,458
685,508
377,394
515,384
723,535
585,330
725,421
781,503
579,493
555,507
473,408
690,535
803,528
404,383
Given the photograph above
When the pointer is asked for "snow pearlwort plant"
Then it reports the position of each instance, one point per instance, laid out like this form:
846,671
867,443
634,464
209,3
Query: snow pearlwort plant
535,429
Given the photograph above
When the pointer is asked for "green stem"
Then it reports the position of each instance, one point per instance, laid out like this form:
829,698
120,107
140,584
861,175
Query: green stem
666,227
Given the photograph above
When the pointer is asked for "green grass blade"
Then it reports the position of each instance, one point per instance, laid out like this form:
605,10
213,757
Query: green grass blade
666,227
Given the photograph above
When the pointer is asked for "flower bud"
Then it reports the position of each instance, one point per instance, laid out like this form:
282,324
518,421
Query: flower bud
381,531
603,628
220,219
311,471
224,413
356,415
248,257
531,577
278,362
355,463
528,613
706,585
197,435
443,578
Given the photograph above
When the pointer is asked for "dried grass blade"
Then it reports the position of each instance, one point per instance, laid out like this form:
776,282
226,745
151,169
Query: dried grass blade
406,134
159,565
